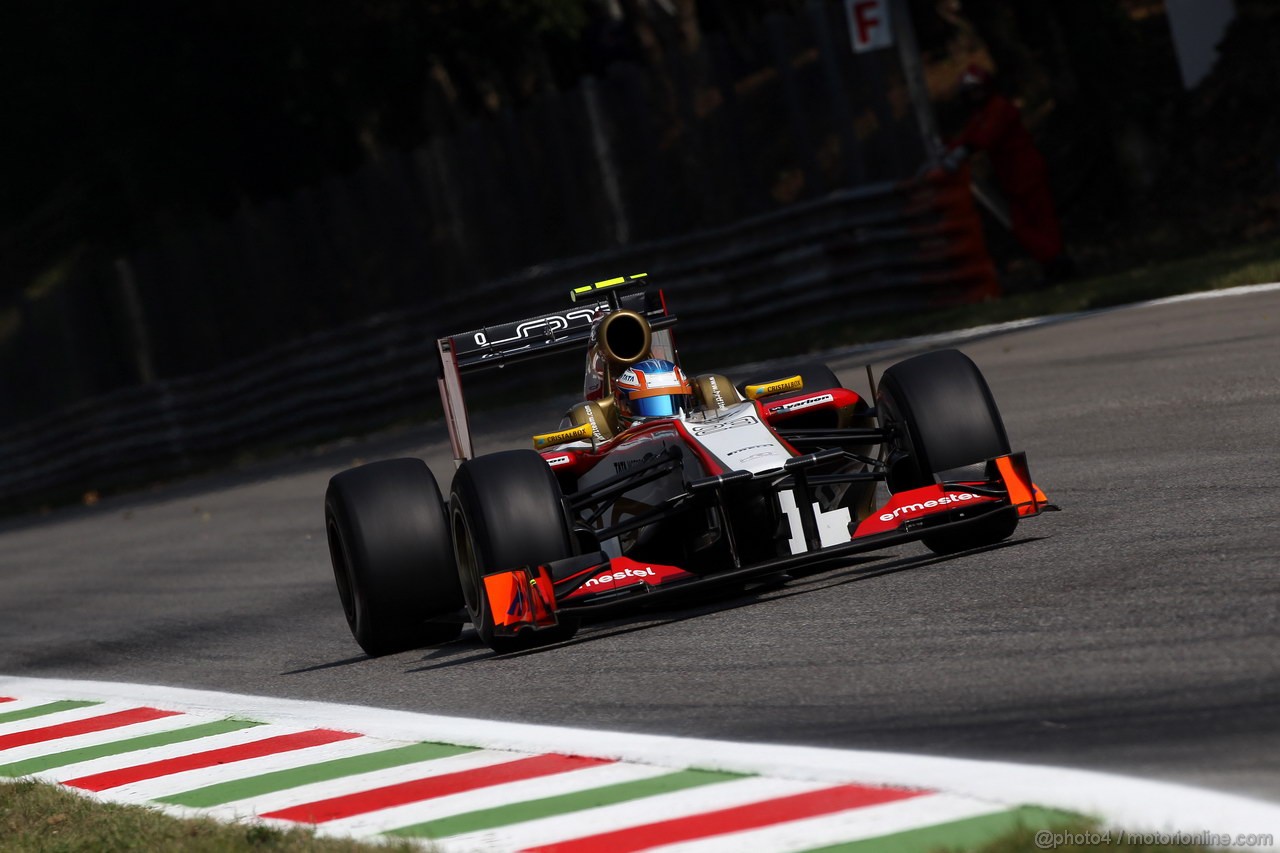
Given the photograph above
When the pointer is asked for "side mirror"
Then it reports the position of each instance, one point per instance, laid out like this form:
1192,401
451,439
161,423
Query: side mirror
777,386
582,432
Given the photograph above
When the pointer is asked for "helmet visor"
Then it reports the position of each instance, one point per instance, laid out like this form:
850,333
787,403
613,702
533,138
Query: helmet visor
660,405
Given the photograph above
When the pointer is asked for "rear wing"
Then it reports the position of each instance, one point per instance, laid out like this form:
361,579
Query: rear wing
503,344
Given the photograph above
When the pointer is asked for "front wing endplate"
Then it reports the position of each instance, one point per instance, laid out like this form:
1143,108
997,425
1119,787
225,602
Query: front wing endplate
520,599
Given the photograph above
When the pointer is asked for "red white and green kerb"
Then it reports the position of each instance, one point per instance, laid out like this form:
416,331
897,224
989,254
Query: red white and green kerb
276,769
346,783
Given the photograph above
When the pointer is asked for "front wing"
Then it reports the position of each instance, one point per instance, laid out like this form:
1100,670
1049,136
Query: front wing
533,597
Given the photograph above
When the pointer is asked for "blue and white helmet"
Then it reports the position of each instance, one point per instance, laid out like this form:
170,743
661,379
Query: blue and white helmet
653,388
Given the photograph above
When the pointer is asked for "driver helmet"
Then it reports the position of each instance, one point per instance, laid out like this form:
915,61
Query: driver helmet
653,388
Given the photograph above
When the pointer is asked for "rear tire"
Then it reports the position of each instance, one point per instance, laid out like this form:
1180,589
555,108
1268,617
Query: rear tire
391,554
942,418
506,511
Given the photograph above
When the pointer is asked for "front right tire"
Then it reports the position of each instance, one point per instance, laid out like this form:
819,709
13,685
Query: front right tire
943,418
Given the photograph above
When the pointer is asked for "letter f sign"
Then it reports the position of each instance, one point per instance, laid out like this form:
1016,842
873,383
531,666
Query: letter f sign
869,24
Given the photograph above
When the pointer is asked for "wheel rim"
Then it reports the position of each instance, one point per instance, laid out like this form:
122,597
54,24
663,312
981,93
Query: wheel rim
899,439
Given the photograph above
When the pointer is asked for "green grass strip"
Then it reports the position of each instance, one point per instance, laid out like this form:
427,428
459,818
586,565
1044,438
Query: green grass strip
960,834
279,780
563,804
36,817
119,747
41,710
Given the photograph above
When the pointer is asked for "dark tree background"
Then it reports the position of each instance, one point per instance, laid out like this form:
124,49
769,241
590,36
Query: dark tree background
122,113
123,116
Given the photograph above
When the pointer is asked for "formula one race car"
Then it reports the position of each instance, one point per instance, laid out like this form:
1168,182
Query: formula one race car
657,483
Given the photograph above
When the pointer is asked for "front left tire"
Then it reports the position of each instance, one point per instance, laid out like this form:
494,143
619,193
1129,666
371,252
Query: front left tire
506,511
943,418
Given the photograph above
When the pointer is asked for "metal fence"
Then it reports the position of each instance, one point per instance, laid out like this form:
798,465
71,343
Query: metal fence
849,256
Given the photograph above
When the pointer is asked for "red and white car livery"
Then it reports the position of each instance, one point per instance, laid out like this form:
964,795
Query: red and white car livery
760,475
743,481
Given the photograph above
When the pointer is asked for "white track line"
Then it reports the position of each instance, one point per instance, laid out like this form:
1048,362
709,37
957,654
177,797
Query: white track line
1239,290
957,336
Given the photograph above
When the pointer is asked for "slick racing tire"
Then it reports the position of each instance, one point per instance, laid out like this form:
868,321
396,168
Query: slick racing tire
941,417
506,512
391,554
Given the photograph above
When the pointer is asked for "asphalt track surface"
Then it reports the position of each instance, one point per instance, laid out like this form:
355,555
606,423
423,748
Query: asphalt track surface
1137,631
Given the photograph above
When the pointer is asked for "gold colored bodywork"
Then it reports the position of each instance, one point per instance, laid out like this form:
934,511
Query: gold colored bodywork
715,391
600,415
